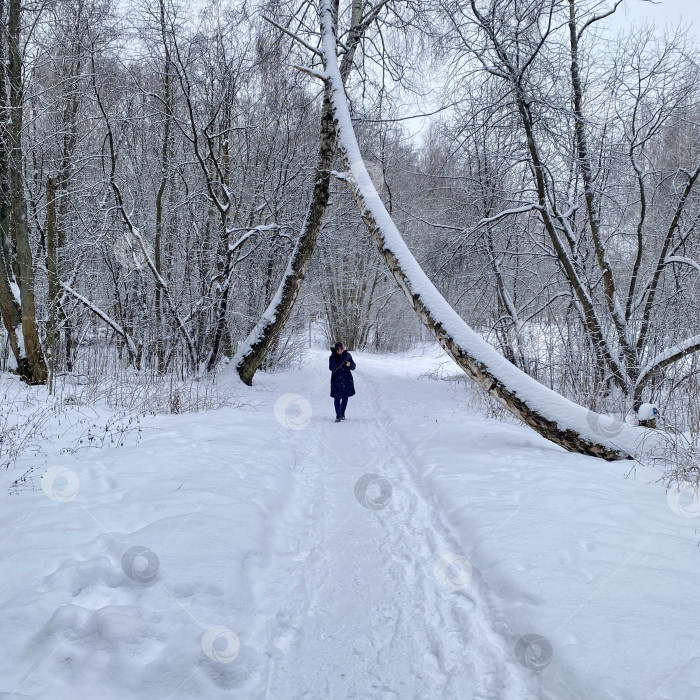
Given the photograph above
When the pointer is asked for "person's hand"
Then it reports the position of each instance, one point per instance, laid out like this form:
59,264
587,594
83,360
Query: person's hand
347,364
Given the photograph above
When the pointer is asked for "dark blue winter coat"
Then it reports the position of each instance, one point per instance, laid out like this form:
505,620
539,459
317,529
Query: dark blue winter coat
341,378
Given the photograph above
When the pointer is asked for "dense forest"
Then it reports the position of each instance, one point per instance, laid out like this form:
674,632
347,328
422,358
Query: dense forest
174,195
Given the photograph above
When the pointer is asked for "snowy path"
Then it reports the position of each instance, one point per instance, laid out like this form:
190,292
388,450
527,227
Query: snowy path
363,613
266,575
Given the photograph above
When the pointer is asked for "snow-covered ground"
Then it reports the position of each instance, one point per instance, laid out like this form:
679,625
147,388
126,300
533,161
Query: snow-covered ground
417,550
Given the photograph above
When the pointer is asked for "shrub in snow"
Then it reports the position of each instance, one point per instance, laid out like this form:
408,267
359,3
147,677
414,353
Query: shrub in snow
677,455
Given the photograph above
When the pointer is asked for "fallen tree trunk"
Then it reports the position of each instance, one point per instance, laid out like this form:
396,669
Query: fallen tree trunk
554,417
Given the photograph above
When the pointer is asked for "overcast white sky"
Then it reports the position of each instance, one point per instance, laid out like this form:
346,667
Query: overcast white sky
661,13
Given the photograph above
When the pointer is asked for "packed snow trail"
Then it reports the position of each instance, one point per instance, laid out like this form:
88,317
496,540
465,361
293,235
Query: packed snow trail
358,608
245,553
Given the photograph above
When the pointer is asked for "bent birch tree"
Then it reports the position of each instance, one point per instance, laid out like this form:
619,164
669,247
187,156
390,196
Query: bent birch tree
551,415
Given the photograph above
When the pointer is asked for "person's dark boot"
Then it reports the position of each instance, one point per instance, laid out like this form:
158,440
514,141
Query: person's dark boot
338,419
342,417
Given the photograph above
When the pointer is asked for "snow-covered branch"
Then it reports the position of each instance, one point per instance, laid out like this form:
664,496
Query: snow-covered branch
133,351
291,34
668,357
682,260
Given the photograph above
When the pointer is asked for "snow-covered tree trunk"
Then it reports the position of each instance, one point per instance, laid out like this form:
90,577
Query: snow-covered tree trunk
255,348
18,269
550,414
585,167
9,291
253,351
11,311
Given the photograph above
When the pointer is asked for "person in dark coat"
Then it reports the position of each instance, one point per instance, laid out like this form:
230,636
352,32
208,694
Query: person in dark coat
340,363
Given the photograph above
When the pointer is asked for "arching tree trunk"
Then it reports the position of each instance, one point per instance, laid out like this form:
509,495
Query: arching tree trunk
550,414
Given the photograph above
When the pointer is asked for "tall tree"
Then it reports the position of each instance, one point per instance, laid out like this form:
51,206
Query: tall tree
17,269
